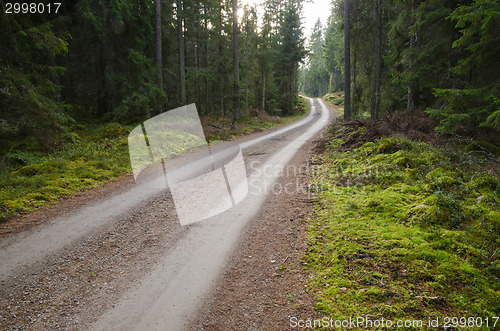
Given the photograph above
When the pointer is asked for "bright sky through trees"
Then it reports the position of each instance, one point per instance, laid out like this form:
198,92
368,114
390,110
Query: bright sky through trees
313,9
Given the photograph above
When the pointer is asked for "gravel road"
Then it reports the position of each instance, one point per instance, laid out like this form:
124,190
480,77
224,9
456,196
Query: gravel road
118,259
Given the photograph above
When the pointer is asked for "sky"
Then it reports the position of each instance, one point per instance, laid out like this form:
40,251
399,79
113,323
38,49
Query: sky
313,9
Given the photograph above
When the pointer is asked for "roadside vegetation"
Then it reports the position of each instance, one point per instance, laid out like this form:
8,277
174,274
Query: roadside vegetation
408,223
334,99
93,154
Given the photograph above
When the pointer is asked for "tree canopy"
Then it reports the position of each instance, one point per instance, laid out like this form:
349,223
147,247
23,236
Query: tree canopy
439,56
99,60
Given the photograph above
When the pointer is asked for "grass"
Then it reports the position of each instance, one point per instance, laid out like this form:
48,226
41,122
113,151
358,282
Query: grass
92,154
95,155
225,129
335,99
404,230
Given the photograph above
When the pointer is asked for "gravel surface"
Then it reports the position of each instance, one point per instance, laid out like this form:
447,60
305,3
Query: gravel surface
261,287
264,283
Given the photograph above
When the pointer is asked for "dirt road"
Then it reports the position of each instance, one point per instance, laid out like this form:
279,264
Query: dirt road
123,261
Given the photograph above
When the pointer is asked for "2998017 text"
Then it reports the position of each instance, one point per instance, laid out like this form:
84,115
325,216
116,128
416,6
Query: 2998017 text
32,8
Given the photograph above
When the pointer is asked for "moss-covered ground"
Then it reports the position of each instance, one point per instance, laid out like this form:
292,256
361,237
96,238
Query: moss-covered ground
405,230
335,99
90,155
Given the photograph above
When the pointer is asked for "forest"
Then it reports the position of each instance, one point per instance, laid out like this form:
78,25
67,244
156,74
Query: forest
120,61
439,56
92,69
401,218
115,61
76,79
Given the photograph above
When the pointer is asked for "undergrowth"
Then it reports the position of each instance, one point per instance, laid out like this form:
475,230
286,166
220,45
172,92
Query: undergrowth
91,154
94,154
225,128
404,230
335,99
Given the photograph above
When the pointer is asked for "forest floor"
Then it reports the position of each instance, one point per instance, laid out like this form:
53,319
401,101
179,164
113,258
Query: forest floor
407,227
91,155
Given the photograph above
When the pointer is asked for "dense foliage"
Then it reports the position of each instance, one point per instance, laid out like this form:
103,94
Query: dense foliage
440,56
98,60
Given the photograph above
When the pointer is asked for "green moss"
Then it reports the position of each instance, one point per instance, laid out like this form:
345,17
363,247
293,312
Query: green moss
111,131
391,145
404,222
334,99
483,146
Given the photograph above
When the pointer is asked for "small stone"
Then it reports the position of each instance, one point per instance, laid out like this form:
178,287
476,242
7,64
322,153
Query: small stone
343,289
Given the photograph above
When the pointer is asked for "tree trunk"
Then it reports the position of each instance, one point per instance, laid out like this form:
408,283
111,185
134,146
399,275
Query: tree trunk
347,64
248,68
236,68
207,102
159,73
304,86
378,65
294,86
264,91
102,104
197,61
354,76
413,85
197,68
182,65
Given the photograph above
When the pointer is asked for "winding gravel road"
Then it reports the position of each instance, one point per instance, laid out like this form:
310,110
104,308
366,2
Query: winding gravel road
125,263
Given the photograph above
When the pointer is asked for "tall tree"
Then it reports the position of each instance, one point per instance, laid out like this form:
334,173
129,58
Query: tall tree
473,97
347,63
180,38
413,84
159,62
291,51
236,64
29,98
333,48
315,69
375,99
111,69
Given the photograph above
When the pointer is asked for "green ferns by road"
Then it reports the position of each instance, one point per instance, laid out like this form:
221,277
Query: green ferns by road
405,230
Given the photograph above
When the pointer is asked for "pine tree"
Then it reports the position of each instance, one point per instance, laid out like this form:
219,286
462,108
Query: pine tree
236,65
315,71
291,51
347,63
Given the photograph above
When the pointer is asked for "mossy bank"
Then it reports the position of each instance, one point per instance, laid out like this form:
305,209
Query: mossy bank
404,230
